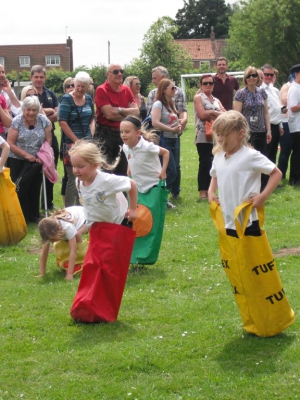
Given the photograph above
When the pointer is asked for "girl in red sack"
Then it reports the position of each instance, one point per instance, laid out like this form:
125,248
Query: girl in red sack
143,155
100,192
106,263
236,171
67,224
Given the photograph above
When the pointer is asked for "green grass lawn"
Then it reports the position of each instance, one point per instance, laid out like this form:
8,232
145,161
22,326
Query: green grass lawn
179,333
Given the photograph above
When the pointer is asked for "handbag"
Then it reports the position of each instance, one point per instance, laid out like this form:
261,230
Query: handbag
250,267
13,227
149,225
62,253
66,155
208,130
104,273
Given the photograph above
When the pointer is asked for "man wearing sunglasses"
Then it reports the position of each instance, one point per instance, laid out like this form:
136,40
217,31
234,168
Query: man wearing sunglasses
50,106
224,85
159,73
274,104
114,102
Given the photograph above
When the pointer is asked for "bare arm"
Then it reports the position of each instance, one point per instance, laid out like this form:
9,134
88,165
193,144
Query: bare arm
183,119
267,121
212,190
165,158
113,114
274,179
5,153
43,259
7,88
72,259
238,106
131,213
283,94
48,136
156,116
81,231
5,117
68,131
51,113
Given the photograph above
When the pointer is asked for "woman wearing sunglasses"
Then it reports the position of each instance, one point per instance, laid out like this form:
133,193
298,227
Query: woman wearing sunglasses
165,119
252,102
207,109
135,86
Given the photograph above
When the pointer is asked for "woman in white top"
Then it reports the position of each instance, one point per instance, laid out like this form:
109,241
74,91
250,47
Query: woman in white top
207,108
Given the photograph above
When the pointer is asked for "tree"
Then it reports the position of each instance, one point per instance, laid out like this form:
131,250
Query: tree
197,17
159,48
266,32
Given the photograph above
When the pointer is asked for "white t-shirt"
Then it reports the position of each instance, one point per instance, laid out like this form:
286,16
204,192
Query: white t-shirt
1,140
77,216
103,200
293,99
239,178
144,164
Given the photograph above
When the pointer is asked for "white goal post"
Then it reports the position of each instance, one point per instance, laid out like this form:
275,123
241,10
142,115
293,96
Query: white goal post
237,74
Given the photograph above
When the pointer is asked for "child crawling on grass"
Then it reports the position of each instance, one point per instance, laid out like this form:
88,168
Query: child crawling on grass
67,224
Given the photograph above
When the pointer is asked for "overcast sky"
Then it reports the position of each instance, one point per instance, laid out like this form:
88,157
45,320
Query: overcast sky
90,23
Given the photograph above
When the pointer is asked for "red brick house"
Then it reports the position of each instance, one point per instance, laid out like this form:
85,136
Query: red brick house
204,51
23,57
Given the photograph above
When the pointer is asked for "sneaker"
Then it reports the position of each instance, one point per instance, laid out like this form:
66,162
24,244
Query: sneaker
170,205
175,196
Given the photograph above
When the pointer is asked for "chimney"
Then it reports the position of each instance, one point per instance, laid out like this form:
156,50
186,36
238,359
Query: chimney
212,34
70,46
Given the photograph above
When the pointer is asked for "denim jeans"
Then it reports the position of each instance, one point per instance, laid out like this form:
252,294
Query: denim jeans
173,167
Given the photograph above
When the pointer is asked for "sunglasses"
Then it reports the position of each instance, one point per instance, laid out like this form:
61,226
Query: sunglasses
207,83
29,95
116,71
138,84
69,86
173,88
251,76
266,74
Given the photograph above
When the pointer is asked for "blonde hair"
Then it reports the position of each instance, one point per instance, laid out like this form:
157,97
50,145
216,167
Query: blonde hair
49,226
92,154
128,81
228,122
67,81
25,90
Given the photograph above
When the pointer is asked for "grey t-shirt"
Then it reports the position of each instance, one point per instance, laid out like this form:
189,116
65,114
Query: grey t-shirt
167,118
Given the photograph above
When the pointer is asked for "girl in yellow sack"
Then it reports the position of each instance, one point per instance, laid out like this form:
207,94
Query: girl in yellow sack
246,255
63,225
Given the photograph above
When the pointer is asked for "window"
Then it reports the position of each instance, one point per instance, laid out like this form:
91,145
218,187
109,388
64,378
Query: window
24,61
202,63
52,60
2,61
